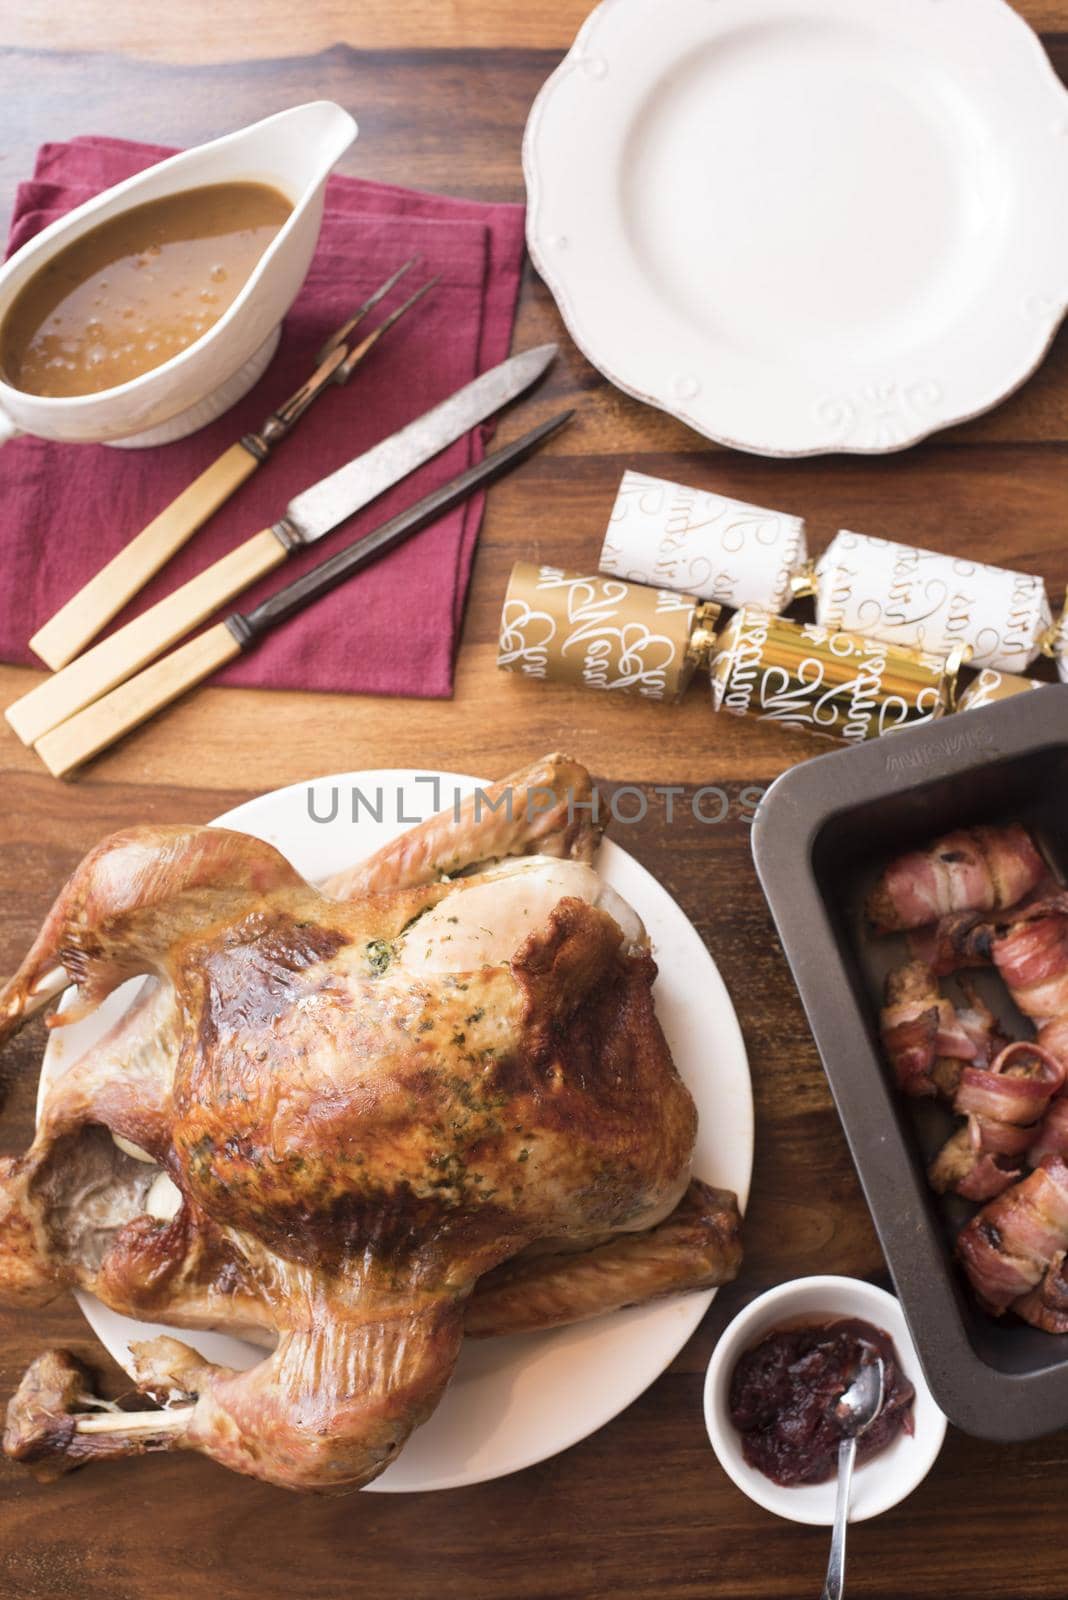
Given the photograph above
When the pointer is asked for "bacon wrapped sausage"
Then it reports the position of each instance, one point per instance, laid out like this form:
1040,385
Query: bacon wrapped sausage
923,1035
1051,1138
1003,1104
1046,1307
981,897
1008,1247
963,939
974,869
1053,1036
981,1026
1031,955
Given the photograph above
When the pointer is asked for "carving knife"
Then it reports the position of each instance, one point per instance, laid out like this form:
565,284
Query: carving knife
308,517
99,725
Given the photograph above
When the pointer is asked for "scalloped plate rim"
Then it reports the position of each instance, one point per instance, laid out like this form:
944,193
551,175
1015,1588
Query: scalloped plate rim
607,365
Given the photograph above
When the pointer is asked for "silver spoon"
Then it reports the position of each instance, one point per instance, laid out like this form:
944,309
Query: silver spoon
856,1410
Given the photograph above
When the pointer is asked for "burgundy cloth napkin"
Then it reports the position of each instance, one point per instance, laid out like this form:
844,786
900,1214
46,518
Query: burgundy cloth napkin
65,509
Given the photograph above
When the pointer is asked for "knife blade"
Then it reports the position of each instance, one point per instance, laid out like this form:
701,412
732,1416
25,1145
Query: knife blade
99,725
336,498
310,515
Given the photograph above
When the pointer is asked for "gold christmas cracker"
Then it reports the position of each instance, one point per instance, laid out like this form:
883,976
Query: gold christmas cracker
835,685
602,633
991,686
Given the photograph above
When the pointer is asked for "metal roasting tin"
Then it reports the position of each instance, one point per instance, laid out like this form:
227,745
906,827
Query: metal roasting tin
822,834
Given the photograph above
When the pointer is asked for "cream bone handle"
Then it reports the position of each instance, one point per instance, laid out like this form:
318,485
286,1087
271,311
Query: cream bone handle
67,633
117,658
100,724
94,727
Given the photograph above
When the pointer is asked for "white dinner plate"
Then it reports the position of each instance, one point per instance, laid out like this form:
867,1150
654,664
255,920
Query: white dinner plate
515,1401
805,225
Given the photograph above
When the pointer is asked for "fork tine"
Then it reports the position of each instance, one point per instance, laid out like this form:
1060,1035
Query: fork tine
356,355
369,304
407,305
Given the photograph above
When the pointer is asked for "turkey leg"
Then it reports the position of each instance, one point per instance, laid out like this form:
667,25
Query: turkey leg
697,1247
325,1412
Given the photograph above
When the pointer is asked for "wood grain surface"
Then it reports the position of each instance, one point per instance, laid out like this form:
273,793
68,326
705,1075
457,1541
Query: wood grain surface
641,1509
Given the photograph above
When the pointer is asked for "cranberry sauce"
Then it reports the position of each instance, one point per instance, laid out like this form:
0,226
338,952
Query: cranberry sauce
784,1392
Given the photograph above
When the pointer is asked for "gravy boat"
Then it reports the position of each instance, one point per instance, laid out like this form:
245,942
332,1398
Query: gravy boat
293,151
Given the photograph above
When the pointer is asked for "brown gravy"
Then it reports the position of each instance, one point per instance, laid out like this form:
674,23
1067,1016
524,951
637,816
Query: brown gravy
136,290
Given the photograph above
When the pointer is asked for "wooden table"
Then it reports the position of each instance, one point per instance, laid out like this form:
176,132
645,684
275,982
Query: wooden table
641,1508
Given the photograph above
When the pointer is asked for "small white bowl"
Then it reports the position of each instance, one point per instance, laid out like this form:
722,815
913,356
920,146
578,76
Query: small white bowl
879,1483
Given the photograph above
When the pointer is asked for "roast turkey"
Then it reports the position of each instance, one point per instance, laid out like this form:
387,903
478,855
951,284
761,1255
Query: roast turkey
346,1122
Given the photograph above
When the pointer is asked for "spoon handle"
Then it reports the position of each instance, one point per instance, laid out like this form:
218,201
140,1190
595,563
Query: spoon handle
834,1583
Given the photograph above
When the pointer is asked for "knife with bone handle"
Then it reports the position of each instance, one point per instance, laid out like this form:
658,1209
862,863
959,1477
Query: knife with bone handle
313,513
99,725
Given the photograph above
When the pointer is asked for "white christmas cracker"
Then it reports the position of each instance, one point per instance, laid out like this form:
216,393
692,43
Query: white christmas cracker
908,596
672,537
